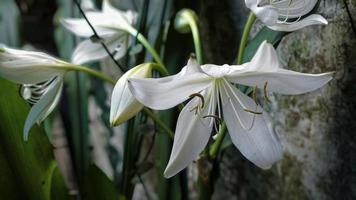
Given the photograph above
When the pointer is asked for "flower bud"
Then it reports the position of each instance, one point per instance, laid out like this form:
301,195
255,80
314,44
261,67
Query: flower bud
123,104
183,19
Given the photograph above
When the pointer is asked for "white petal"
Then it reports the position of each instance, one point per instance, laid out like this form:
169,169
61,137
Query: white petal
308,21
165,93
121,16
81,28
44,106
285,81
216,71
123,104
27,67
110,10
191,67
265,59
237,102
265,68
267,14
88,51
295,8
259,144
191,135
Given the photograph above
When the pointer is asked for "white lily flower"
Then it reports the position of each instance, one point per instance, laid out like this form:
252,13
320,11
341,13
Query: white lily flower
214,96
285,15
41,78
123,104
112,26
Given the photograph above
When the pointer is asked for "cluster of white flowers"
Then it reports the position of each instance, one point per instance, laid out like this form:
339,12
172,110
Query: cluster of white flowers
210,89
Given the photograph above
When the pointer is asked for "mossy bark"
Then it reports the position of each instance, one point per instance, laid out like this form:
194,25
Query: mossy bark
317,129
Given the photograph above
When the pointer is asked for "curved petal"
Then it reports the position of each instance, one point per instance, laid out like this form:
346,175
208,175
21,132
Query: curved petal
217,71
44,106
264,60
267,14
167,92
238,103
121,16
284,81
191,135
295,8
27,67
123,104
259,143
81,28
88,51
264,70
308,21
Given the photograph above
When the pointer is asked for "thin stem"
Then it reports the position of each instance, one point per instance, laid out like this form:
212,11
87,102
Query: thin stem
149,48
245,35
89,71
159,122
214,150
141,38
196,37
162,70
98,37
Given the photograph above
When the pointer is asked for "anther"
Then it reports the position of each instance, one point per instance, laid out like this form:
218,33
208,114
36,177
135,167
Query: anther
217,118
254,94
265,92
253,112
200,96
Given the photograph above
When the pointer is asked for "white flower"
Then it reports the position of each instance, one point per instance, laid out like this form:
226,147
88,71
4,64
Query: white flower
213,95
123,104
285,15
41,77
112,26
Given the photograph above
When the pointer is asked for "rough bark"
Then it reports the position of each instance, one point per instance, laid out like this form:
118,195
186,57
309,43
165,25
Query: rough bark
317,129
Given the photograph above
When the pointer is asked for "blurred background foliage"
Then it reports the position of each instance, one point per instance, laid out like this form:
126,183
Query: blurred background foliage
84,158
79,131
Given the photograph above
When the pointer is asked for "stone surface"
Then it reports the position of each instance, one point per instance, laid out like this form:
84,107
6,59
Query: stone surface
317,130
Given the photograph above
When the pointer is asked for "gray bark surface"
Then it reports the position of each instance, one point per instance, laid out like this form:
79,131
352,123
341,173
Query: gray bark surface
317,129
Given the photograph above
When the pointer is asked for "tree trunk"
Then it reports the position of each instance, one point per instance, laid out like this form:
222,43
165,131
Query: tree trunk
317,129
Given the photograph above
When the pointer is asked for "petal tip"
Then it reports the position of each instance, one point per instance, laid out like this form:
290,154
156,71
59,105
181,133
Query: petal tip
167,174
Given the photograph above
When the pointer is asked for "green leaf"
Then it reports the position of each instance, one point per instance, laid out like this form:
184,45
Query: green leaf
26,168
99,186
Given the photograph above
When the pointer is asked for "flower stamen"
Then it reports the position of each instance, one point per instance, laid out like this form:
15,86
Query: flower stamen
254,94
217,118
265,92
253,112
198,107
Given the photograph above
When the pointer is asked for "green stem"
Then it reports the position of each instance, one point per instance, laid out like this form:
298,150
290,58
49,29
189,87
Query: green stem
214,150
196,36
159,122
141,38
162,70
106,78
245,35
72,67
